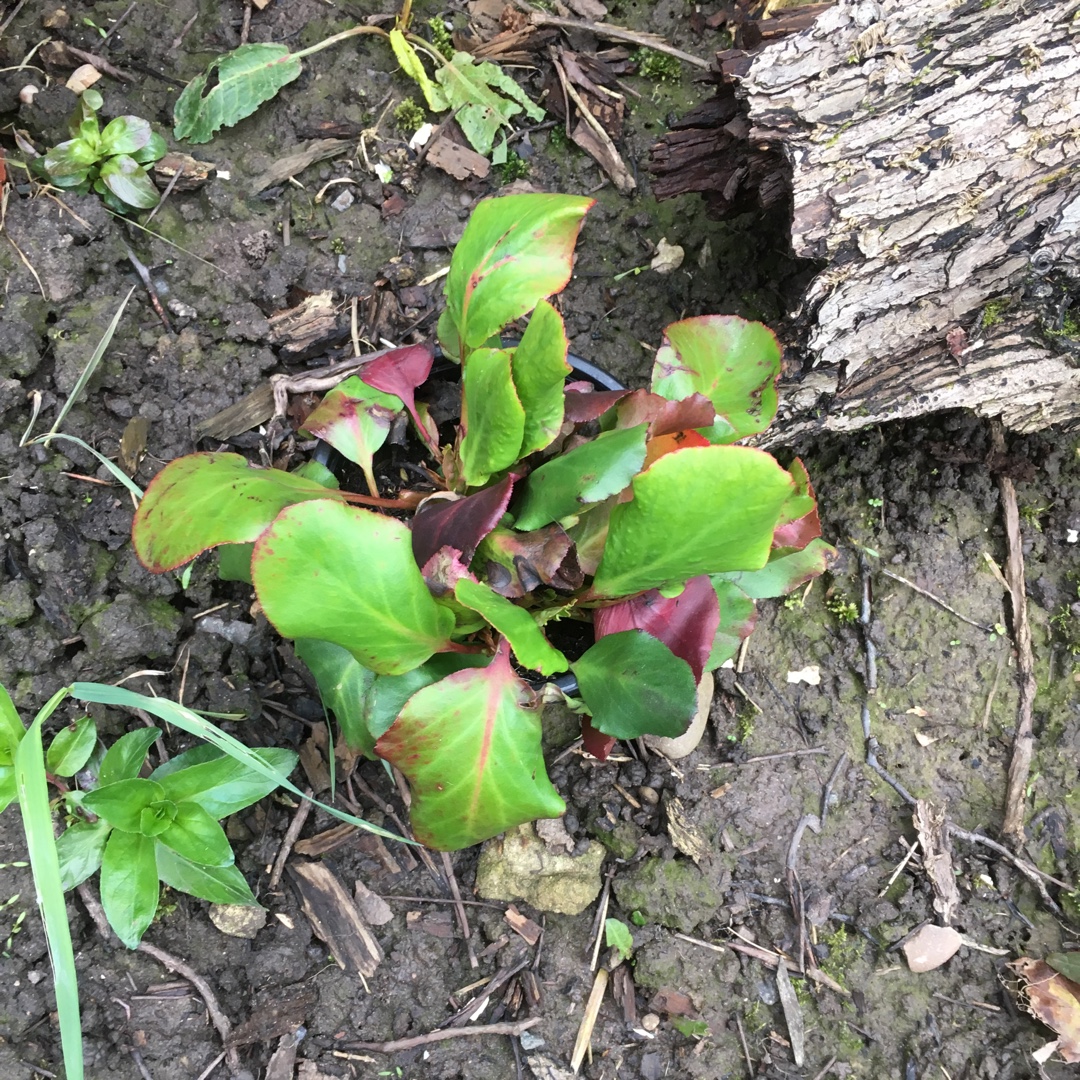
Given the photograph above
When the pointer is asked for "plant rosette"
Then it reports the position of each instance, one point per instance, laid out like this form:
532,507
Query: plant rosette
425,616
109,161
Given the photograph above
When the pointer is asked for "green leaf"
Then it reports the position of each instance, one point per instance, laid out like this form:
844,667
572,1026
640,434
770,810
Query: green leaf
413,66
1067,964
129,884
9,790
128,181
306,576
121,804
246,78
68,163
125,135
344,685
486,97
202,500
154,150
515,251
355,419
782,573
494,420
11,727
234,562
734,363
540,369
701,510
617,936
470,747
635,685
196,836
80,848
218,884
157,817
692,1029
125,757
737,617
218,783
531,648
71,748
588,474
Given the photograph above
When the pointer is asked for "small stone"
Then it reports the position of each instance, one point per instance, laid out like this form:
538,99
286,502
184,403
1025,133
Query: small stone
529,1041
650,1021
931,947
344,201
648,795
238,920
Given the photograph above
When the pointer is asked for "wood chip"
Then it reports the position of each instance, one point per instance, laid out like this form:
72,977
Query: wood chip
588,1021
523,925
930,821
686,837
374,909
793,1016
336,919
298,160
459,161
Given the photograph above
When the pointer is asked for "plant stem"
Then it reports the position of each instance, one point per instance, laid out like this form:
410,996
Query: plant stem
356,30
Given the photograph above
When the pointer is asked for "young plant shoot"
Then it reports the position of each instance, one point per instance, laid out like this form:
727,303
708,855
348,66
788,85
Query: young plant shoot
430,616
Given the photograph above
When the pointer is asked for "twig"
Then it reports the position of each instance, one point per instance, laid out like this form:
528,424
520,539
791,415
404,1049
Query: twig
828,1065
1024,739
144,277
120,22
165,194
936,600
588,1021
395,1045
173,963
616,33
15,11
745,1048
290,837
441,900
601,915
780,754
245,26
827,790
179,39
459,909
993,689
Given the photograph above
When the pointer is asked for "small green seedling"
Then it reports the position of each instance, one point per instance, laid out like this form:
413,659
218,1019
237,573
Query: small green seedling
692,1029
617,936
658,66
110,161
845,610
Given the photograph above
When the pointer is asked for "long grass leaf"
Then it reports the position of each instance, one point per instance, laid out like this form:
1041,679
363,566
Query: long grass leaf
91,366
194,724
37,825
110,465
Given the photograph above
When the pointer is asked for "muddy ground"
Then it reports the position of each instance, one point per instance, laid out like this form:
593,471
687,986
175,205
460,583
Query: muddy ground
75,604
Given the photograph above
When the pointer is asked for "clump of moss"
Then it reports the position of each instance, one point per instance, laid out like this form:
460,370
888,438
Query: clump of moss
440,37
1070,326
844,950
558,140
993,313
657,66
844,609
408,116
513,168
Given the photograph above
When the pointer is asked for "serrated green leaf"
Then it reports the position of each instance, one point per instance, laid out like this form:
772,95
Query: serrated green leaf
532,649
470,747
202,500
635,685
486,97
121,804
71,748
413,66
733,362
701,510
588,474
495,418
515,251
124,758
218,884
246,78
129,884
80,848
305,573
195,835
539,368
344,684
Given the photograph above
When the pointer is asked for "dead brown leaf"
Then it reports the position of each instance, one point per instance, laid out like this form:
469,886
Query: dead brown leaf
459,161
1054,1000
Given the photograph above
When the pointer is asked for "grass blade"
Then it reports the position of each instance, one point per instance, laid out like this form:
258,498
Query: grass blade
37,825
194,724
110,465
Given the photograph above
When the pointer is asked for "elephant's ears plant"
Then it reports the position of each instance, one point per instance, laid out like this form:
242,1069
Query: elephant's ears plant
429,619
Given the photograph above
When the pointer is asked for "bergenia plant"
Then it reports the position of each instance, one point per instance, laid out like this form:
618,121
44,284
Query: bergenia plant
432,611
110,161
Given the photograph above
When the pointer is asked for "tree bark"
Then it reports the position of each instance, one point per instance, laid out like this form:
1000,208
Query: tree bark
933,152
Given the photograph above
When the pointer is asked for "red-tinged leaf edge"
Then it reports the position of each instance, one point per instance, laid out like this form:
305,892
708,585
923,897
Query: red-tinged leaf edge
459,523
795,535
596,742
400,372
583,406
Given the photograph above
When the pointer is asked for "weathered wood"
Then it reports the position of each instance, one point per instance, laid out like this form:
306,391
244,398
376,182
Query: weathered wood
933,151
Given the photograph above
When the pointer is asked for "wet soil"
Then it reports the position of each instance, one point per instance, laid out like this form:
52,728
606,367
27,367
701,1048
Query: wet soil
915,500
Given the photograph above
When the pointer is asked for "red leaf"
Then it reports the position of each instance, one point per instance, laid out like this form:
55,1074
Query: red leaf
686,623
444,570
666,417
460,524
797,534
400,372
596,742
582,407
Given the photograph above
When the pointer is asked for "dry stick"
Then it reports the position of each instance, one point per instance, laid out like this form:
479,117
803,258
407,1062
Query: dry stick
780,754
459,909
245,26
120,22
827,790
745,1048
179,39
395,1045
936,600
1024,739
828,1065
440,900
144,277
1029,870
291,835
165,194
601,915
617,33
173,963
